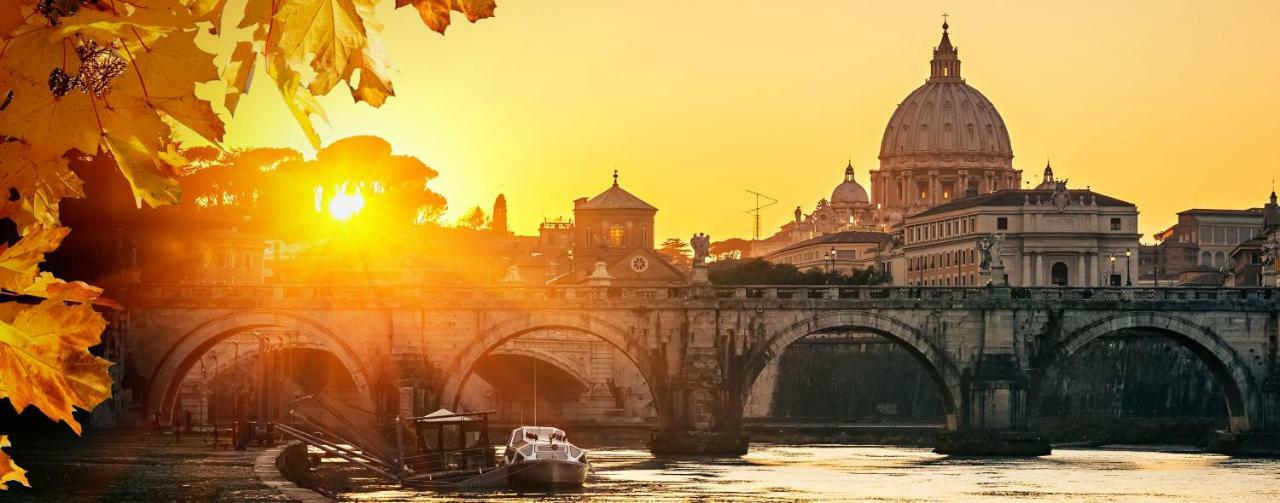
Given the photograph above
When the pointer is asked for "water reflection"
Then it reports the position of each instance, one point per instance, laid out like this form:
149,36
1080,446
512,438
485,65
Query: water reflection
901,474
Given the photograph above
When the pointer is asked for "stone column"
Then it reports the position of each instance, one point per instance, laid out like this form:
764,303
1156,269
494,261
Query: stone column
1081,274
935,189
1040,270
1026,269
1097,271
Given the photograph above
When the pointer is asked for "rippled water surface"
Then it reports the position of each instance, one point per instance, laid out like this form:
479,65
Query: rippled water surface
878,473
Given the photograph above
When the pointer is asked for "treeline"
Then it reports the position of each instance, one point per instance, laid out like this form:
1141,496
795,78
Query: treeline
761,272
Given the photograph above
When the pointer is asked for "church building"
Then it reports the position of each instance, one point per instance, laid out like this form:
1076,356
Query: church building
946,180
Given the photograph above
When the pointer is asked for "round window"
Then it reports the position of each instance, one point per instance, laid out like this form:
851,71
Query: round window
639,264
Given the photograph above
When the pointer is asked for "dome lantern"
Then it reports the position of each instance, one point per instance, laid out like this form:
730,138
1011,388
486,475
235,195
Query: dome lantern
946,59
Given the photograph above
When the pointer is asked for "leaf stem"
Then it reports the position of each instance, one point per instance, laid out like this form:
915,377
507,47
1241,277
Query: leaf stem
138,71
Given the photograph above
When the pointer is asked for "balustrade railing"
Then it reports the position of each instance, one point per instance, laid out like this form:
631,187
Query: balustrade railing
409,293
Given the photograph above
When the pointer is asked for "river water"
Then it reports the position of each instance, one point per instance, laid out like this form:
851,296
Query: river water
901,474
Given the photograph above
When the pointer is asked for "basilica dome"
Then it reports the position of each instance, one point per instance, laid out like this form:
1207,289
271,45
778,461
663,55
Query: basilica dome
946,118
849,191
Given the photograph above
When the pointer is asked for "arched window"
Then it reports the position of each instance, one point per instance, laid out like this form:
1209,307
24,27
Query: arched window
1206,258
1219,259
616,233
1058,274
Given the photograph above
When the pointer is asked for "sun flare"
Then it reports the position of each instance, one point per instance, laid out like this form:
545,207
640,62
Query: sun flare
346,203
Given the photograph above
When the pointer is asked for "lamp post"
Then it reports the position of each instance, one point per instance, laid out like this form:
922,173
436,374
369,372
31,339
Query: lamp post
832,253
1155,267
1112,276
1128,266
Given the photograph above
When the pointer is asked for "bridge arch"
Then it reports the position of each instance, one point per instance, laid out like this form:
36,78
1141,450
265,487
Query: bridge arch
182,355
564,365
463,366
937,364
1227,367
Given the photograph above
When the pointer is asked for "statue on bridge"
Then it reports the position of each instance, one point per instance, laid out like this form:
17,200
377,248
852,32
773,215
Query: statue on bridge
992,264
701,244
990,249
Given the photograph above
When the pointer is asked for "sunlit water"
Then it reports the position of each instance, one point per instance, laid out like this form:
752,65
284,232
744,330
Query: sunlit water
900,474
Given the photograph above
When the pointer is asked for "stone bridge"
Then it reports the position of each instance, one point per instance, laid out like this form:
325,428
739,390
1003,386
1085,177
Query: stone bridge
990,351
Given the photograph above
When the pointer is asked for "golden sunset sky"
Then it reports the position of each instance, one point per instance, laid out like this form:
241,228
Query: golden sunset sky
1166,104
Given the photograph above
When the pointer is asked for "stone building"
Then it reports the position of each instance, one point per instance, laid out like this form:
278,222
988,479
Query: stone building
1248,260
944,142
1058,237
613,242
848,209
1202,241
838,251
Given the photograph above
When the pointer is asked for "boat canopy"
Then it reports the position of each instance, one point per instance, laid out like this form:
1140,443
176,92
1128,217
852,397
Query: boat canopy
537,434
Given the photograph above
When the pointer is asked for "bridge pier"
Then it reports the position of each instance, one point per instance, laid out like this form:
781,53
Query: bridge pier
703,424
993,417
705,415
1263,441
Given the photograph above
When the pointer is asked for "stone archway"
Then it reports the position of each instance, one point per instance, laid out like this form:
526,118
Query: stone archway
166,378
939,366
492,337
1227,367
552,359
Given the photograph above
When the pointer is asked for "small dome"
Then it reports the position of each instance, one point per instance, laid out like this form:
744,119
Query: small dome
849,191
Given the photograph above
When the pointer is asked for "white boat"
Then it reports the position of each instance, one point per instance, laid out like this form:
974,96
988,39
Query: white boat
542,457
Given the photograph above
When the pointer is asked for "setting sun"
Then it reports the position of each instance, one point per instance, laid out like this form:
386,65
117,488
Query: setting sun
346,203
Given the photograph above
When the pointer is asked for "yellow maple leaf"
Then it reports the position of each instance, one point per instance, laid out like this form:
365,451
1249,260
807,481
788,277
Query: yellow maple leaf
301,103
12,15
20,263
45,360
39,185
327,32
436,13
47,286
375,82
124,119
149,174
238,74
166,72
9,470
208,10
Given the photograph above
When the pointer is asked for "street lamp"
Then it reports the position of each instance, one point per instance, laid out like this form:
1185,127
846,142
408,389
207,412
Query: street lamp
1111,278
1128,266
832,253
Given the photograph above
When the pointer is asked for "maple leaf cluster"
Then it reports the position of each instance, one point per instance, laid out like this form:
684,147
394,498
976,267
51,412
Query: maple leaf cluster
111,79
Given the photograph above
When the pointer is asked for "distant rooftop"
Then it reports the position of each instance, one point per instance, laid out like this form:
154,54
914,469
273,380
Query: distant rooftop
615,198
840,238
1018,197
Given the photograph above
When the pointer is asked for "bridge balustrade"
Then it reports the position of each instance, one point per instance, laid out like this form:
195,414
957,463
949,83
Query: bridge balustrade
385,295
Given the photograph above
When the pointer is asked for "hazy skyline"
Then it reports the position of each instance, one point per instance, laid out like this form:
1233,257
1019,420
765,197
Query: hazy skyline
1167,106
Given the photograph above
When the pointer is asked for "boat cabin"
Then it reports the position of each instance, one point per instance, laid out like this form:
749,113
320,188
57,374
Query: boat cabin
447,442
530,443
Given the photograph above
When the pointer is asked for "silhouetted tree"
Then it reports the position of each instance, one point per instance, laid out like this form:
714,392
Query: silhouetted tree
677,252
762,272
731,249
474,219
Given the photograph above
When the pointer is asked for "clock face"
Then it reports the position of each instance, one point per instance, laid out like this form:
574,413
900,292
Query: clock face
639,264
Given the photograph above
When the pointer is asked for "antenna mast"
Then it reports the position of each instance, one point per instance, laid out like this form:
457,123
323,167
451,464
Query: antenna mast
535,391
755,212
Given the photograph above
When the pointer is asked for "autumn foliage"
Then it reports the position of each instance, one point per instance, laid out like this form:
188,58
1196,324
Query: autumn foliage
110,80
